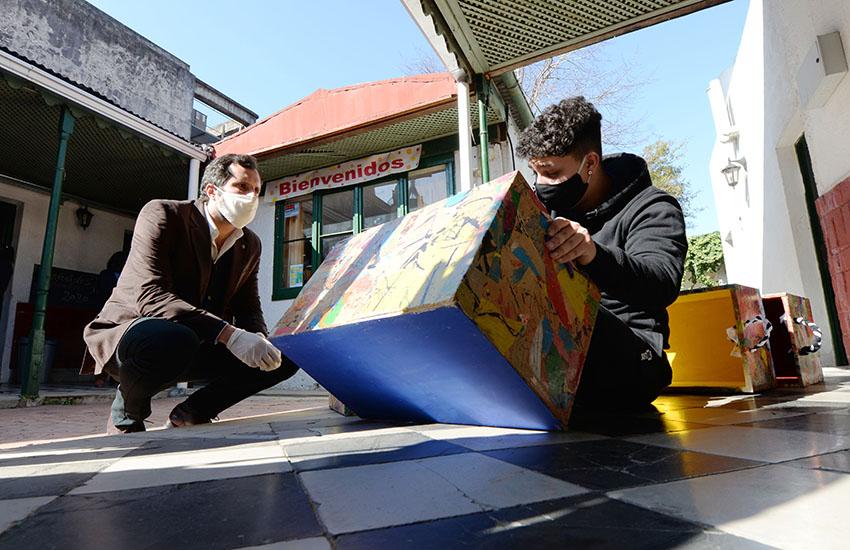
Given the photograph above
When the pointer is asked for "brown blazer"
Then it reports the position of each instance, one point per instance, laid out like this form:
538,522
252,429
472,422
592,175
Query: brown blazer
166,277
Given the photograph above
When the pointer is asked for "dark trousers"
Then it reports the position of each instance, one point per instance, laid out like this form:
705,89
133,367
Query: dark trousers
154,354
621,370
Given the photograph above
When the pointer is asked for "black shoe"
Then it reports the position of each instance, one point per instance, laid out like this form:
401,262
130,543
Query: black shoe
111,429
184,415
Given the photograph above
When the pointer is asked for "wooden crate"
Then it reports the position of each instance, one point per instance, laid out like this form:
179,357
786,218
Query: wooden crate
455,313
795,340
718,339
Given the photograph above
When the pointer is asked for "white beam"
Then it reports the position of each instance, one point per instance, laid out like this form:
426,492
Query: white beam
464,134
194,176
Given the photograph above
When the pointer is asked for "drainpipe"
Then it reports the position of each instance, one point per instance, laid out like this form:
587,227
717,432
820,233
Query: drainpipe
194,176
35,360
463,131
182,388
482,91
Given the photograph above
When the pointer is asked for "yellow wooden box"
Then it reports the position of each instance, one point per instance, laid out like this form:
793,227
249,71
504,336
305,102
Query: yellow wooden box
719,339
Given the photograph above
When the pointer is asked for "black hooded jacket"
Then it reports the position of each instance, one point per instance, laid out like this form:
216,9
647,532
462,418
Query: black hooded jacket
640,248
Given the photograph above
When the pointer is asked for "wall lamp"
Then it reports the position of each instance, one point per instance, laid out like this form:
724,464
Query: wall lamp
84,216
732,171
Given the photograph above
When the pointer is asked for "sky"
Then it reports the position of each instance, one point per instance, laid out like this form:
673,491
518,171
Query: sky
267,54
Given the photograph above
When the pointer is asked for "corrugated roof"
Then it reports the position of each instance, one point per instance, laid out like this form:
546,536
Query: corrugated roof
494,36
332,126
90,91
325,113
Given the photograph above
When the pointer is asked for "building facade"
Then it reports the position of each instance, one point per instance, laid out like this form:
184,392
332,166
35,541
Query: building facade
780,168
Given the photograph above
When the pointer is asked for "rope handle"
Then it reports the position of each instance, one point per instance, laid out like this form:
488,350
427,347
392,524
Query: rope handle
817,334
768,328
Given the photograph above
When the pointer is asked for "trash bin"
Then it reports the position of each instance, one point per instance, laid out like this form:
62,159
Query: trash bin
47,364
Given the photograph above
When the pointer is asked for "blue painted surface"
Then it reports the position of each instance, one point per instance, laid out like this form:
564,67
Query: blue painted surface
432,366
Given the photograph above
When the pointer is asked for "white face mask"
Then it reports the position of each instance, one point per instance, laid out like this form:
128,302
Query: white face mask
238,209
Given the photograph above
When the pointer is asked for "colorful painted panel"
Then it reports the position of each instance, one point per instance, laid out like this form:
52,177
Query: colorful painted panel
752,339
480,255
538,313
413,263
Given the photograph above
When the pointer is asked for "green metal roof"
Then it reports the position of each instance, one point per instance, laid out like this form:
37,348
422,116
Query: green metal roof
359,144
105,165
494,36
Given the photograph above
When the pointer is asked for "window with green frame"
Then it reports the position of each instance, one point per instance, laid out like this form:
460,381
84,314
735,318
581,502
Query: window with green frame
308,227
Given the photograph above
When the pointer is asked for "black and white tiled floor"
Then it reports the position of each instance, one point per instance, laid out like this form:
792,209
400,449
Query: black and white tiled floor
763,471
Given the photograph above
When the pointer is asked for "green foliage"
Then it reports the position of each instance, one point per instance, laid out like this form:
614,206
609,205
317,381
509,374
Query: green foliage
664,161
704,259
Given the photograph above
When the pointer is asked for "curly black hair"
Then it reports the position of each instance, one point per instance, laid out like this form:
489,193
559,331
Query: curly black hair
572,126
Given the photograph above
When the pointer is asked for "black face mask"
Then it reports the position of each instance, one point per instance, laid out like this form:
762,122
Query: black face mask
562,197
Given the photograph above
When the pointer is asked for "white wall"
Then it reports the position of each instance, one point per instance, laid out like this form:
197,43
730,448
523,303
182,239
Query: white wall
75,249
766,215
740,208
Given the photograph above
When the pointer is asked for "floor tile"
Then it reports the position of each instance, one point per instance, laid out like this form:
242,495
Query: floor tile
759,444
610,464
382,495
316,543
719,416
835,396
329,452
496,484
156,466
623,424
217,514
837,462
578,522
15,510
86,448
837,424
47,479
482,438
775,505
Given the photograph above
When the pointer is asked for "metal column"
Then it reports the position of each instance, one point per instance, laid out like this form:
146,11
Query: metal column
482,92
35,360
463,131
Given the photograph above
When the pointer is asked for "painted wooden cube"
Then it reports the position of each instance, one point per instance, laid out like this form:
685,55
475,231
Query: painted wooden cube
719,338
795,340
454,313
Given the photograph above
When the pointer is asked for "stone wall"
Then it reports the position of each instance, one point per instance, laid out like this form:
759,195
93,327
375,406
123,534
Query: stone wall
75,40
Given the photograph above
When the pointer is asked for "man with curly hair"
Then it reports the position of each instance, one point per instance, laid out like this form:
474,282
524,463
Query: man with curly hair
625,234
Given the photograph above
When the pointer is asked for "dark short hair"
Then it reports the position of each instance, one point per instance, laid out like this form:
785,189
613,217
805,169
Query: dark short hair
572,126
217,172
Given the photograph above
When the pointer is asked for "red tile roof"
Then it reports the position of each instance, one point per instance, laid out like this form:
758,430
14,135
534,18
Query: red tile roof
327,113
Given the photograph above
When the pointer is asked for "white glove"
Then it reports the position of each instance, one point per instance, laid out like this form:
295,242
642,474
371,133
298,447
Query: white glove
254,350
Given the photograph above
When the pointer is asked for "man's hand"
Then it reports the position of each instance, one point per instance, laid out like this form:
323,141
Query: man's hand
569,241
253,350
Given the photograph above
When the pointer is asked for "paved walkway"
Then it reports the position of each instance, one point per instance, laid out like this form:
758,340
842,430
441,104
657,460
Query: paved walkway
771,470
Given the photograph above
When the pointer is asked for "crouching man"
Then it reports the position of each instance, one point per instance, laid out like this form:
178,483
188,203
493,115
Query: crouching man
186,306
625,234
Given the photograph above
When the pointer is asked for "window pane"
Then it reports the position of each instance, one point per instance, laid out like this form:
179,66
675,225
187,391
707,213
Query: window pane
297,263
338,212
426,186
329,242
298,219
380,203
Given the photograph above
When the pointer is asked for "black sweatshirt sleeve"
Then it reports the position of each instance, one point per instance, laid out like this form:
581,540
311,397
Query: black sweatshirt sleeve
648,272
